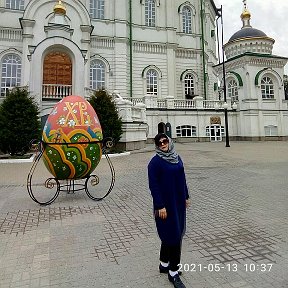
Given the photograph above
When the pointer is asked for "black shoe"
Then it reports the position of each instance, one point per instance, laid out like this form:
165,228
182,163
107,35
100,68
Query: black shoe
176,281
165,270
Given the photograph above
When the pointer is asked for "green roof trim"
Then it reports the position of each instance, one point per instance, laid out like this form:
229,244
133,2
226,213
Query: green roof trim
257,76
240,81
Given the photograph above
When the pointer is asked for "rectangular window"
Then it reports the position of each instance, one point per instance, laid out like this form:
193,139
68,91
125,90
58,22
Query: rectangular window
186,131
150,13
15,4
187,20
271,130
97,9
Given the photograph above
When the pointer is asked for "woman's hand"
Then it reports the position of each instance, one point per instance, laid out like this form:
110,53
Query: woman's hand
187,203
162,213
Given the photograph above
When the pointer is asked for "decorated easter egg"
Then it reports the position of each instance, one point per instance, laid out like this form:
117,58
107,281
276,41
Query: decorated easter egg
71,138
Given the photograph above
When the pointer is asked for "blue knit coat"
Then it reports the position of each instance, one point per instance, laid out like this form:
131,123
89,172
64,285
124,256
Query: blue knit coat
168,188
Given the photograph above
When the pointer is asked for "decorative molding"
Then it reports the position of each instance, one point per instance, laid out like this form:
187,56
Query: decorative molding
190,5
106,43
86,28
267,70
184,53
157,2
189,71
240,81
11,35
27,23
104,60
59,27
11,51
151,67
31,49
150,48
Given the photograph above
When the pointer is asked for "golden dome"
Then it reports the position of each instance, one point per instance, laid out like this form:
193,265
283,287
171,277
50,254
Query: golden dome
59,8
246,14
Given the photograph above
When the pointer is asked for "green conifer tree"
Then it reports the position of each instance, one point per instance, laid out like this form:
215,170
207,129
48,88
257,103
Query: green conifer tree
19,122
107,113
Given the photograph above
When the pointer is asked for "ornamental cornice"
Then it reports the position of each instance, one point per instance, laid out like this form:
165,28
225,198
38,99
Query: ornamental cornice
253,61
241,40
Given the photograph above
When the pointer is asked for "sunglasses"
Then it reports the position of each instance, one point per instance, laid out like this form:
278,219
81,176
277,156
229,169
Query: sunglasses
163,142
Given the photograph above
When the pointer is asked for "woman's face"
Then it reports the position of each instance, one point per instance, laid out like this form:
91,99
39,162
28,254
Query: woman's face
163,144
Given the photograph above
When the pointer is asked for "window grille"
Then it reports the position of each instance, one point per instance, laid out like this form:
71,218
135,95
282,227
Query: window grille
97,75
15,4
271,130
150,13
97,9
187,20
233,90
152,82
10,72
186,131
189,86
267,88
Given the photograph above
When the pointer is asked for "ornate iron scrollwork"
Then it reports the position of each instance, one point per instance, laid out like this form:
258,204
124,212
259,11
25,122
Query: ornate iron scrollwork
71,185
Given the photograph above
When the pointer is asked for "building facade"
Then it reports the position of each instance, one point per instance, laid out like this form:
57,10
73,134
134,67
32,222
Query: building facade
255,80
157,58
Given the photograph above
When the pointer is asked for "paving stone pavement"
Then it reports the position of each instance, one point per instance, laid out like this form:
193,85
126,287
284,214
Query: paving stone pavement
236,236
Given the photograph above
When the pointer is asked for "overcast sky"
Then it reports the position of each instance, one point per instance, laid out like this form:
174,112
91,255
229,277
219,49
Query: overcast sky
270,16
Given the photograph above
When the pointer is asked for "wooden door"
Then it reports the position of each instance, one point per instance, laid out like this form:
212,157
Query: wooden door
57,69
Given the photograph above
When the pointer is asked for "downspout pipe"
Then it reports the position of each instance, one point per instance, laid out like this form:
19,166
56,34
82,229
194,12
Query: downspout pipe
131,49
203,48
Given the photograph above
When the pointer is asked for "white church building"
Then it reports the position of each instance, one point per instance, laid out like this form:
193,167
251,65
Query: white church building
157,58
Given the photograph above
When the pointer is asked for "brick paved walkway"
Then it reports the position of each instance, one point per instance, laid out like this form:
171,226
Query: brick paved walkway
236,234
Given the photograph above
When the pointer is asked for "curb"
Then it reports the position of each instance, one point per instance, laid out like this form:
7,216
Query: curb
9,161
5,161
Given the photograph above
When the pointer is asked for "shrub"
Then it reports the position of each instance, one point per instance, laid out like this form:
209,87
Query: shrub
107,113
19,122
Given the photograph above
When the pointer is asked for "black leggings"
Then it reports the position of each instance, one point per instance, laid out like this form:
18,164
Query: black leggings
171,254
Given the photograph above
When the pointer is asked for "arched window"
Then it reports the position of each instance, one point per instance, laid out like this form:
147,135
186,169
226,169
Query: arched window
189,86
150,13
186,131
152,82
15,4
97,9
187,20
267,88
232,89
10,72
97,75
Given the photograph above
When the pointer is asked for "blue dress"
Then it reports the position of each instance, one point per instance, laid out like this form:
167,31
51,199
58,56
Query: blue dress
168,188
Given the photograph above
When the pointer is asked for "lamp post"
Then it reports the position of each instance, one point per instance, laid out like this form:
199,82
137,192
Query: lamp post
225,105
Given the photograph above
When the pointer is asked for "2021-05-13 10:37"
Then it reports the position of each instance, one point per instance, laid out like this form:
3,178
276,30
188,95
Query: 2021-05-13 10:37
229,267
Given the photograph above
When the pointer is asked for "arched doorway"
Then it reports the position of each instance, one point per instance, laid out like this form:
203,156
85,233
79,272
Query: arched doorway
57,76
161,127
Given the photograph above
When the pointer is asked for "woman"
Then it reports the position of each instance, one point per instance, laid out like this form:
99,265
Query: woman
169,191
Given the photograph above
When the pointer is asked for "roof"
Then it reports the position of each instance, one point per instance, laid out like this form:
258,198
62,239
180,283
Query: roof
247,32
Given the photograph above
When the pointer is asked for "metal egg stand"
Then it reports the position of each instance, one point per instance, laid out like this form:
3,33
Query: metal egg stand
70,185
